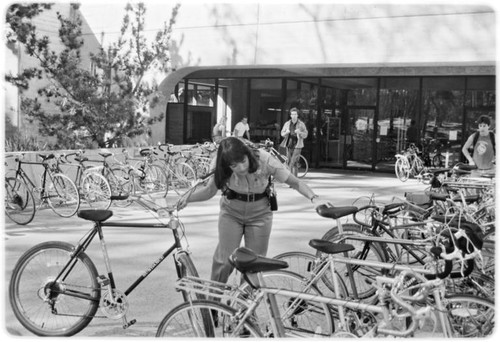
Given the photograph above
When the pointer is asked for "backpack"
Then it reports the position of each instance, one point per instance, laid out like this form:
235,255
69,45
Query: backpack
492,138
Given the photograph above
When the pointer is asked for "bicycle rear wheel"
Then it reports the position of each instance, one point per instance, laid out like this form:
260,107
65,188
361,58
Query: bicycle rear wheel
49,303
470,316
302,166
62,195
20,204
96,191
188,320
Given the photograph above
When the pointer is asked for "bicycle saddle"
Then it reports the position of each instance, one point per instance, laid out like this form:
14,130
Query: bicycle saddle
95,215
46,156
328,247
335,212
105,154
246,260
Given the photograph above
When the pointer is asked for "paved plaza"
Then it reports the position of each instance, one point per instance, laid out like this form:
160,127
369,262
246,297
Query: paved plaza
132,251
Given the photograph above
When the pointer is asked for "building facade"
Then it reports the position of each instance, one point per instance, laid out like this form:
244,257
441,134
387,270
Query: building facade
359,73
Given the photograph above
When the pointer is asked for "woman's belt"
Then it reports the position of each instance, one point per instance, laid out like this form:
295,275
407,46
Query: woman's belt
231,194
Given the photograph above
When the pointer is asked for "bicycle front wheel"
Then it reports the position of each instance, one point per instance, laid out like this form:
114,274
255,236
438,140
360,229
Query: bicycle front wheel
62,195
96,191
189,320
20,204
181,177
302,166
470,316
53,294
402,169
153,181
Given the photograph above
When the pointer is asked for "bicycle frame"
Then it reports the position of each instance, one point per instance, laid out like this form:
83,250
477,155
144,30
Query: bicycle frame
21,173
270,293
176,247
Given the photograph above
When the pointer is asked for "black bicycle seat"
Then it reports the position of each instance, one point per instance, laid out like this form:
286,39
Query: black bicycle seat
95,215
336,212
328,247
246,260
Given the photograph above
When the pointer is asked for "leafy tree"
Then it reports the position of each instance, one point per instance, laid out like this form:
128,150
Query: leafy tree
113,101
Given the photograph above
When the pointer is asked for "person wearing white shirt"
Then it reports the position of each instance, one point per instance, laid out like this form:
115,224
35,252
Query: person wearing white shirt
242,129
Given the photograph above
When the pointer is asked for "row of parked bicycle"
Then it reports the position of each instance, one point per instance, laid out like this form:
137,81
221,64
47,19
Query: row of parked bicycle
67,180
420,265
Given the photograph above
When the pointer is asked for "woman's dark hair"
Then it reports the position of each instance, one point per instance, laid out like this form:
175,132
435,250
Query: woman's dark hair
233,150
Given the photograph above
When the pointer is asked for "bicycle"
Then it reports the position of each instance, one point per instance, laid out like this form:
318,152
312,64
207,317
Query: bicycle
412,295
56,289
19,201
302,164
408,163
379,239
180,174
56,190
92,186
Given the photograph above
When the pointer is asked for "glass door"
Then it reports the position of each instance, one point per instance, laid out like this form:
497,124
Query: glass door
359,138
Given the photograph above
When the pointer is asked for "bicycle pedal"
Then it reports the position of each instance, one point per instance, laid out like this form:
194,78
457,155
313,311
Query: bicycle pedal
130,323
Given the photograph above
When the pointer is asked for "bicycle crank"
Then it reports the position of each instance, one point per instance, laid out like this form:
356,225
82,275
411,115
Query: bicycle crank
115,305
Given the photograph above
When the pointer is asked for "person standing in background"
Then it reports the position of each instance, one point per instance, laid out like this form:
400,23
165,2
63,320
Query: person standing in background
219,130
482,143
242,129
294,132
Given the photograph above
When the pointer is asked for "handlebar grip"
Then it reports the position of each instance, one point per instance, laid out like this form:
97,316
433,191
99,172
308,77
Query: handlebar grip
448,267
470,264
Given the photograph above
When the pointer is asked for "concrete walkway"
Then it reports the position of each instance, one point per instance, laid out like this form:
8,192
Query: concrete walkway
134,250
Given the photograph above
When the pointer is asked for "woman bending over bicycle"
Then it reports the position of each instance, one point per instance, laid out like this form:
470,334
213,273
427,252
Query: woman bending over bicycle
243,175
294,132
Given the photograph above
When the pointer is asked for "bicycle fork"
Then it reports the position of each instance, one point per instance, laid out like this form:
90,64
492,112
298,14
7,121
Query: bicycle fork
114,303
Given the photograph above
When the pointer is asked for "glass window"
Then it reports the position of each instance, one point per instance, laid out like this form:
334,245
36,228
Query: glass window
398,107
442,113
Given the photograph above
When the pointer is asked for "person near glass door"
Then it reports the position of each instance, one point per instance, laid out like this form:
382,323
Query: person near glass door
294,132
482,142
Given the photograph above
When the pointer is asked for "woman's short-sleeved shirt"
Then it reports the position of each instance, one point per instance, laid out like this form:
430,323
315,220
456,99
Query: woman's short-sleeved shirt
257,182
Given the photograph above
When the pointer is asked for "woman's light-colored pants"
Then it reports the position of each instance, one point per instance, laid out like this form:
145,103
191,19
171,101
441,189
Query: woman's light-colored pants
237,219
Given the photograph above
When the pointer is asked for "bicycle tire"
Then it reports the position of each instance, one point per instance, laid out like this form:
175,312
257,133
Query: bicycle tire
62,195
187,320
20,204
183,177
302,166
185,267
470,316
96,191
363,276
402,170
299,317
32,287
121,185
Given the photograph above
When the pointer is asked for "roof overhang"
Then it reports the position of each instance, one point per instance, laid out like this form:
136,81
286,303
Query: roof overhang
330,70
